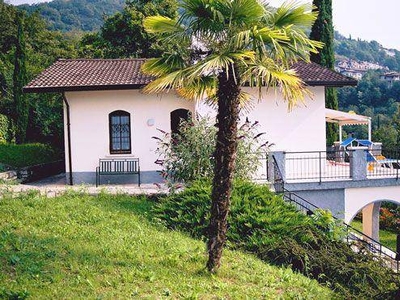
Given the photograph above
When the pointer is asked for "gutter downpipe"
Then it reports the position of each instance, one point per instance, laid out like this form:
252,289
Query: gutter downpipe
69,139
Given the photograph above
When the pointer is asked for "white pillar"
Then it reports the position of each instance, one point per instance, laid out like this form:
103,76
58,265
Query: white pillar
340,133
369,130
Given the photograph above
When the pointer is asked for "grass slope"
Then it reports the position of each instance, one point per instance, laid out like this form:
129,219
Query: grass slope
104,247
386,237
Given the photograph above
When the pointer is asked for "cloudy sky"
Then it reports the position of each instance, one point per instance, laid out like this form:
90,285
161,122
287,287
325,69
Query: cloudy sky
365,19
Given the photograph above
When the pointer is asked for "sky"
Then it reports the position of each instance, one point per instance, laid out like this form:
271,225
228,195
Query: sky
365,19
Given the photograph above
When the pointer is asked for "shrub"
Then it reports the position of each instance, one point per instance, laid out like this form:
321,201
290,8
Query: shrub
27,154
3,128
262,223
389,218
187,156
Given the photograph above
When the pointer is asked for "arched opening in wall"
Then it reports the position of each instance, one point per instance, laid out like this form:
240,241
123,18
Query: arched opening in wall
380,220
176,119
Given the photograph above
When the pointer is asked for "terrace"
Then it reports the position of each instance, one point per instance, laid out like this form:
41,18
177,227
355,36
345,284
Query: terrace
338,165
348,160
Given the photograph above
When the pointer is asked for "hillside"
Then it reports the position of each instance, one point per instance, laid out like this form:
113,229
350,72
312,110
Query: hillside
75,15
363,51
83,247
88,15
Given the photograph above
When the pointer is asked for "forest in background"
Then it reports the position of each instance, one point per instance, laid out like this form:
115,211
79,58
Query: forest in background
93,29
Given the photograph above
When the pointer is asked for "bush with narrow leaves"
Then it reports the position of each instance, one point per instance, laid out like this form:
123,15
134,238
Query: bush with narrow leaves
188,155
262,223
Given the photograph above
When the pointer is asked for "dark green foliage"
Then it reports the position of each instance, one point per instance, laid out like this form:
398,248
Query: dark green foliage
19,80
123,34
331,101
7,27
322,30
27,154
377,99
3,128
262,223
42,113
75,15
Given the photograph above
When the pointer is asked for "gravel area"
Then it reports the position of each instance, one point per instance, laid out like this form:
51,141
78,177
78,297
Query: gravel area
56,185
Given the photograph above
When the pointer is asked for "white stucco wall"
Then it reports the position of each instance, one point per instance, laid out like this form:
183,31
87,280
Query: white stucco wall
301,129
358,198
90,129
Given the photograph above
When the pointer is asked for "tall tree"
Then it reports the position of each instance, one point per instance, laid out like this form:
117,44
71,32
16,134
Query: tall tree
123,34
322,30
21,104
221,45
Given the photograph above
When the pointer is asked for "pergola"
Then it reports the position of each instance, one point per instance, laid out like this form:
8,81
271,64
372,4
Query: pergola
343,118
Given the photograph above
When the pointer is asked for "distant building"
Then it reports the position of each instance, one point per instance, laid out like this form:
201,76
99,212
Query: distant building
356,74
390,77
356,69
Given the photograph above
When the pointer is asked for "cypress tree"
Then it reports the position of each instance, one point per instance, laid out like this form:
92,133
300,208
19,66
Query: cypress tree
322,30
19,80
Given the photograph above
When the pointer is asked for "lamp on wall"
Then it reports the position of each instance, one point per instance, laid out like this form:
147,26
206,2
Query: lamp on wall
150,122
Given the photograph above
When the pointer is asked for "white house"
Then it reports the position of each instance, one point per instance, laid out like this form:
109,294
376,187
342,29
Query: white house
107,116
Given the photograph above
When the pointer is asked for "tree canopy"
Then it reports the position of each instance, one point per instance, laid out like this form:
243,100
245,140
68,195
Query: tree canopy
42,48
123,35
322,30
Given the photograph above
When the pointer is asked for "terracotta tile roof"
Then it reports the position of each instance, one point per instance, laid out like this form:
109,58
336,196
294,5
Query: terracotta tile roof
115,74
315,75
90,74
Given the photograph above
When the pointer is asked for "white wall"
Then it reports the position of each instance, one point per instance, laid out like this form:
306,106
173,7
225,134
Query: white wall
90,129
358,198
301,129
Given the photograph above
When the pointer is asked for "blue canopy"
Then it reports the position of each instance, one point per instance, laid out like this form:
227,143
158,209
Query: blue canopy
347,142
366,143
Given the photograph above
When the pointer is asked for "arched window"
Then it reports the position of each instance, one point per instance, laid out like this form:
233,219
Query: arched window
120,132
176,116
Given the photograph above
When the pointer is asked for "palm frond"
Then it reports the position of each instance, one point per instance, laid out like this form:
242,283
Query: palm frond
204,16
202,88
161,25
291,13
168,30
268,73
246,101
172,80
246,12
163,65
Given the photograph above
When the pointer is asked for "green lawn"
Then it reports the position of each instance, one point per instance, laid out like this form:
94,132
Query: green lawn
104,247
26,154
386,237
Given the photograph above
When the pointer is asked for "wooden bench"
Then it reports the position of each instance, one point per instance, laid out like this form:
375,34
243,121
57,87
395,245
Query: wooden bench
117,166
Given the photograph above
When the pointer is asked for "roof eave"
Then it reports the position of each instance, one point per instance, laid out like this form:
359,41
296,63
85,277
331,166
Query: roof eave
332,83
80,88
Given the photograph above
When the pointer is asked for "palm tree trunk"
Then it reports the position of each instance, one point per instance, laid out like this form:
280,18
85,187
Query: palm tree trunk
225,158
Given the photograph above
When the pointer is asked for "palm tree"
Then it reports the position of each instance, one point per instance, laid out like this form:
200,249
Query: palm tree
215,48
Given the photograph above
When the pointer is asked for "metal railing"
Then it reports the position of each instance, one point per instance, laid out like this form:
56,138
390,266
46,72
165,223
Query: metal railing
317,166
383,164
355,238
263,169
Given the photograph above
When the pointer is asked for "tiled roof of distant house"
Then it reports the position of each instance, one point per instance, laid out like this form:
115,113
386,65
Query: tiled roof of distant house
118,74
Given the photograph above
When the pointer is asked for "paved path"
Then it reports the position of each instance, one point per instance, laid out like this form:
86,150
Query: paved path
56,185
